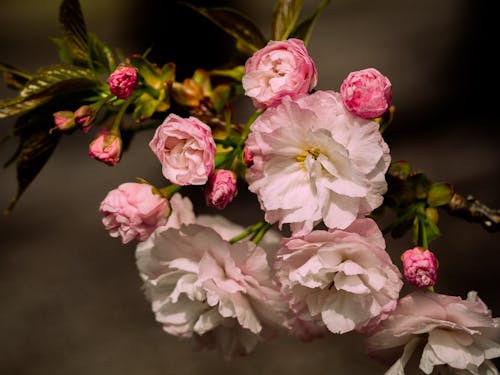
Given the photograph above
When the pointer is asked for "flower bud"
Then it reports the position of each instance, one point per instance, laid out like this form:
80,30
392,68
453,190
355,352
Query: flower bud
64,120
107,148
123,81
247,157
84,117
220,189
420,266
366,93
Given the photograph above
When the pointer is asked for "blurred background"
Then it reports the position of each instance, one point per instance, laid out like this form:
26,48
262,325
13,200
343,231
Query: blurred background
71,298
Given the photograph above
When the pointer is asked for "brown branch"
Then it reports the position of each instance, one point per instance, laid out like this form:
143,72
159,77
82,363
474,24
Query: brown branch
469,208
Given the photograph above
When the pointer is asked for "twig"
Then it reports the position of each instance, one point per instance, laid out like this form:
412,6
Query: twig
469,208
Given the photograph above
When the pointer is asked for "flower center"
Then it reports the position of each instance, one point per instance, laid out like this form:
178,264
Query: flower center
309,151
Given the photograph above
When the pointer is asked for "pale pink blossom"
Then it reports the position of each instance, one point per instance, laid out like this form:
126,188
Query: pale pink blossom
107,147
64,120
203,287
366,93
456,336
314,161
123,81
420,267
281,68
341,279
133,211
220,189
185,149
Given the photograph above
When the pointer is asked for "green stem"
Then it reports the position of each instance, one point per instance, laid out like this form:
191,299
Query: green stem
422,234
257,237
118,119
246,129
248,232
169,190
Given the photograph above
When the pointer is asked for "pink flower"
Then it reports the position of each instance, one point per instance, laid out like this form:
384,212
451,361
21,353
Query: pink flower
314,161
341,279
366,93
64,120
282,68
84,117
107,147
123,81
202,286
420,266
442,330
220,189
186,150
133,211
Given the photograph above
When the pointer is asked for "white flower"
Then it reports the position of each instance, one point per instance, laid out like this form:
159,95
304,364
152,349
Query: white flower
343,279
315,161
452,335
198,283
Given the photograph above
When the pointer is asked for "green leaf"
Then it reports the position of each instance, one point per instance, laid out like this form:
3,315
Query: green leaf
304,28
420,184
439,194
235,73
14,78
58,79
146,105
100,55
74,30
400,169
36,146
286,13
248,36
16,106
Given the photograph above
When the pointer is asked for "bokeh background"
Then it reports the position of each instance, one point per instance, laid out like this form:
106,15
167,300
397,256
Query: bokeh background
70,296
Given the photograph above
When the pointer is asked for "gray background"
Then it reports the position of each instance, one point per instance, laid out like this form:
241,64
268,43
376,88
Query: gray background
71,299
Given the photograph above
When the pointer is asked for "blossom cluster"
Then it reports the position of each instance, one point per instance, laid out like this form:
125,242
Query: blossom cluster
316,161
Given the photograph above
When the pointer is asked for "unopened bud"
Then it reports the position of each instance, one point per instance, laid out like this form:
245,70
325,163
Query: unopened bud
84,117
220,189
64,120
107,148
123,81
420,267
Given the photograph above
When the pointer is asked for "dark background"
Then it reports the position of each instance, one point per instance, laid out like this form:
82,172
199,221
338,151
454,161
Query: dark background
71,299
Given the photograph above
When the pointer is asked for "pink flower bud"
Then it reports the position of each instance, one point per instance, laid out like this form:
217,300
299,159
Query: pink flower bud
220,189
64,120
247,157
123,81
84,117
366,93
107,148
420,266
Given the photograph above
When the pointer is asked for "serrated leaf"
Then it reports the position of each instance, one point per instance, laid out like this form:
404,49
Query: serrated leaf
65,54
100,55
74,30
304,28
13,77
36,146
16,107
58,79
286,13
149,72
248,36
220,96
439,194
